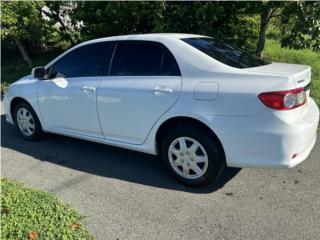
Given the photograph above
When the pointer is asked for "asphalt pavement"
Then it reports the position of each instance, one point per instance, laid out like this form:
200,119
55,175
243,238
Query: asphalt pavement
130,195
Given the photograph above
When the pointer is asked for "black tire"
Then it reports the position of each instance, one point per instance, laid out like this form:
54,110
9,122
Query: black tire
37,133
216,158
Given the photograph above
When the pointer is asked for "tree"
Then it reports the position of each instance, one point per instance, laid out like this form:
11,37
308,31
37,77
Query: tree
241,23
218,19
300,25
101,19
59,12
21,21
267,11
223,20
299,21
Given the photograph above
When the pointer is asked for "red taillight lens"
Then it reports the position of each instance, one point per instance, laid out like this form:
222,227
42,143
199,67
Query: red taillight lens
284,100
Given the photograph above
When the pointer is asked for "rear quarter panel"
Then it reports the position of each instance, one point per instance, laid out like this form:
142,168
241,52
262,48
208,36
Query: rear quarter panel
237,89
237,93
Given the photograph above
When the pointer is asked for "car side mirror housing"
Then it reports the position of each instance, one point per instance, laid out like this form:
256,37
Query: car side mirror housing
39,72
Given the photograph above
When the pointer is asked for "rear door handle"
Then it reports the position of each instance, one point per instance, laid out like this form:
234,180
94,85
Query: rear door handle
88,89
162,90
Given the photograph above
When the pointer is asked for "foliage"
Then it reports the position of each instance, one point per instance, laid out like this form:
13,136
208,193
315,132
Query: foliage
242,23
219,19
100,19
32,214
296,24
40,25
13,66
58,13
300,24
23,21
222,20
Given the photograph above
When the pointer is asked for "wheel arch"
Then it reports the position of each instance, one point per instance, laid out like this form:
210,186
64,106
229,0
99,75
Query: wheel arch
175,121
17,100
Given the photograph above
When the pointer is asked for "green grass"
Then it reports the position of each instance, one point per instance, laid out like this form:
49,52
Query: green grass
31,214
274,52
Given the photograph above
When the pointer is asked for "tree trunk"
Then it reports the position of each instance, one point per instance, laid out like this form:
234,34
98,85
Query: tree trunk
262,34
24,53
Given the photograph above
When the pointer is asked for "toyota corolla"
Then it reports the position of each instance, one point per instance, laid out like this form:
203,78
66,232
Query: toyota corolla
199,103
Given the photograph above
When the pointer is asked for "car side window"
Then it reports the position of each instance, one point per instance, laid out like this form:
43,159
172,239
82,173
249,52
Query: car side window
169,66
138,58
89,60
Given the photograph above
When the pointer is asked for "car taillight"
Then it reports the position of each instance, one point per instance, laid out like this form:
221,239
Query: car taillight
284,100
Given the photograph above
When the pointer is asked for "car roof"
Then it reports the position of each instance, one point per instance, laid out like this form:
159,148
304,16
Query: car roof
159,37
147,36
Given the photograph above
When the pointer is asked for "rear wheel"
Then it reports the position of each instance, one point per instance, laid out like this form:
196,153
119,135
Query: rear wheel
27,122
192,156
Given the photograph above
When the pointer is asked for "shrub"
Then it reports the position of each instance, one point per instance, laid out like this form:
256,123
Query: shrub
31,214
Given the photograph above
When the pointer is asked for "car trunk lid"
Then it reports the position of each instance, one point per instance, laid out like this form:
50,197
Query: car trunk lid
300,74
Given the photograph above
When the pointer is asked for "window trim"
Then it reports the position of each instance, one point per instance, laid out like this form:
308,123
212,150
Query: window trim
107,59
155,43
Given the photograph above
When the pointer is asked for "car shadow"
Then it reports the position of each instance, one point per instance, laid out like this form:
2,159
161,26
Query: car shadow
102,160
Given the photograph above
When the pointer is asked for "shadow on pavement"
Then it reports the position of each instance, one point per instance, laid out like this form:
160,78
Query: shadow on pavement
102,160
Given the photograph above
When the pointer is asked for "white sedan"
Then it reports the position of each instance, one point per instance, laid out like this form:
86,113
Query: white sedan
201,104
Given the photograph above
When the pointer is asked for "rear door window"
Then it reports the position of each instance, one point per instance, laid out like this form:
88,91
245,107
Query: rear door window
140,58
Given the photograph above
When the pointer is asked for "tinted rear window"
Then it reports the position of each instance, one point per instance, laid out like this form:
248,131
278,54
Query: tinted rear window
134,58
225,53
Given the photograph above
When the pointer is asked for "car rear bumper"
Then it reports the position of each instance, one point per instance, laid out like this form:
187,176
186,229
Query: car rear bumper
268,140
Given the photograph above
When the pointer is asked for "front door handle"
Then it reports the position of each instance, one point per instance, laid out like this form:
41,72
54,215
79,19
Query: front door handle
88,89
162,90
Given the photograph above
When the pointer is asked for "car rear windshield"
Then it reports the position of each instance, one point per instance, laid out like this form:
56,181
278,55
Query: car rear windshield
225,53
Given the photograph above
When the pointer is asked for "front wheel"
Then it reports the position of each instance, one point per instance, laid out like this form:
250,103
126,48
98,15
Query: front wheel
192,156
27,121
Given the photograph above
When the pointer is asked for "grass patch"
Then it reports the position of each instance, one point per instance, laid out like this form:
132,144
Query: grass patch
274,52
31,214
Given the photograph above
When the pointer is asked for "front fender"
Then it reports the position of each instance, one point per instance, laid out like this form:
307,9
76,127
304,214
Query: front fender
25,89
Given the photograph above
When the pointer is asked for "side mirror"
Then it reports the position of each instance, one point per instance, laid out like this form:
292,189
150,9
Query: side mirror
39,72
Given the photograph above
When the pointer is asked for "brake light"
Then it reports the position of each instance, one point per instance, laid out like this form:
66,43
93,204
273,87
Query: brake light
284,100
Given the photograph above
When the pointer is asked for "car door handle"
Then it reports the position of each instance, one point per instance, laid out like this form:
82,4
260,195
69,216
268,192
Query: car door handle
88,89
162,90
